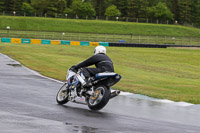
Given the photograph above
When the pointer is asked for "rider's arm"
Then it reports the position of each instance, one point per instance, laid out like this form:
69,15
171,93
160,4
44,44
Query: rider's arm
90,61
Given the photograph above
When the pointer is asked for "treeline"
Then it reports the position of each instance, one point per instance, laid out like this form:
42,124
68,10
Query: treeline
184,11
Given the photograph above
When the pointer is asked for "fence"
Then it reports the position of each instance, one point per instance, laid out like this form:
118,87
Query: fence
101,37
125,19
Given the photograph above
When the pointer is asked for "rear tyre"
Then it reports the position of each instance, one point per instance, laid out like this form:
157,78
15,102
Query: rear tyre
100,99
63,94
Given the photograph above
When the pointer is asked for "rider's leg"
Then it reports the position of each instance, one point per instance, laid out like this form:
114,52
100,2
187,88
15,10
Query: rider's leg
88,72
84,75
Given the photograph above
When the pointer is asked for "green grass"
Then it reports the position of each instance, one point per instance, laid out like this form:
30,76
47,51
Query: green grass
94,26
162,73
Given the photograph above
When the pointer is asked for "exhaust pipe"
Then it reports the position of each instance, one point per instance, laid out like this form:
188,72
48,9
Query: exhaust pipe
114,94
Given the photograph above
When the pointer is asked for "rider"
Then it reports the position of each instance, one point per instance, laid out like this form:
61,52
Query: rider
102,62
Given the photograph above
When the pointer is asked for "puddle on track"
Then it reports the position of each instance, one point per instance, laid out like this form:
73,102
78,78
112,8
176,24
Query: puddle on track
84,129
15,65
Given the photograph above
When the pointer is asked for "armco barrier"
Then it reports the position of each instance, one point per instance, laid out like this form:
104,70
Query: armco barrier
94,43
82,43
46,41
6,40
137,45
55,42
103,43
15,40
26,41
76,43
35,41
65,42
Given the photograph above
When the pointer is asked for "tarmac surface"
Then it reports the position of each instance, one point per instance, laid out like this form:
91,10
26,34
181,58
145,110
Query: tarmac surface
28,105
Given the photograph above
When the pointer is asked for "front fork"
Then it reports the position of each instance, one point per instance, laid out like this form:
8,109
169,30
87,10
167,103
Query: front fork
81,78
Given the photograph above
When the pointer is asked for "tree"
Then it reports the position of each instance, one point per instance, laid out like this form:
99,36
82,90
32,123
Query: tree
76,7
161,12
87,9
99,6
40,6
2,7
61,5
112,11
82,9
52,8
122,5
196,11
175,9
185,11
27,8
138,8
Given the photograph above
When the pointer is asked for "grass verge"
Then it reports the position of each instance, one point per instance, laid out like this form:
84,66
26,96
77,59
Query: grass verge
162,73
94,26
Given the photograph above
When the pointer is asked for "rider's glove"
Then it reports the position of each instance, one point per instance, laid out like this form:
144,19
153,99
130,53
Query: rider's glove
73,68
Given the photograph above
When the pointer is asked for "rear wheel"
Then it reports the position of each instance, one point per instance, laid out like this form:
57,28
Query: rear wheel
62,95
100,98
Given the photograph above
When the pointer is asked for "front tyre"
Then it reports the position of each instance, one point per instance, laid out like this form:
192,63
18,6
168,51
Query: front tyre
62,95
100,98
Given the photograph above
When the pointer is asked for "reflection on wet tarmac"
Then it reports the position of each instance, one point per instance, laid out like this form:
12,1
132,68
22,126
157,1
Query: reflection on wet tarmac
151,108
84,129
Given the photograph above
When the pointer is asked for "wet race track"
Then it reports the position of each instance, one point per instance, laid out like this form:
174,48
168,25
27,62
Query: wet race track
28,105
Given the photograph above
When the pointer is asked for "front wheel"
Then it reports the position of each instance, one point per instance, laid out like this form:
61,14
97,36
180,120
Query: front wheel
100,98
63,94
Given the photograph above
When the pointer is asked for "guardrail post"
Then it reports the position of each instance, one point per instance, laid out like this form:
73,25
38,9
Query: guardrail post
126,19
131,36
182,40
139,39
44,35
199,40
156,39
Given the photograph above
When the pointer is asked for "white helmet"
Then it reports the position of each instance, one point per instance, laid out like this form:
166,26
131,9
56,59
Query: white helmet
99,49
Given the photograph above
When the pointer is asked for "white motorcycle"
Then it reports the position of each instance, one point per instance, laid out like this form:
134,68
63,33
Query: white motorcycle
96,97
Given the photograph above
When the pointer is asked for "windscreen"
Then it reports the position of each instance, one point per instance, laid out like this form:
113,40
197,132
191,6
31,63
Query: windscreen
70,74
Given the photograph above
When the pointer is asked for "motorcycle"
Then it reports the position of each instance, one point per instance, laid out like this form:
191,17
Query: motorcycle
96,96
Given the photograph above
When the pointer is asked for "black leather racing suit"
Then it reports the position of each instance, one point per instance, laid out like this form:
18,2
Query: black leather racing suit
102,62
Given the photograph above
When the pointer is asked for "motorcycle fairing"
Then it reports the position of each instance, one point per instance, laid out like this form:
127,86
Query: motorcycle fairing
104,75
108,79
